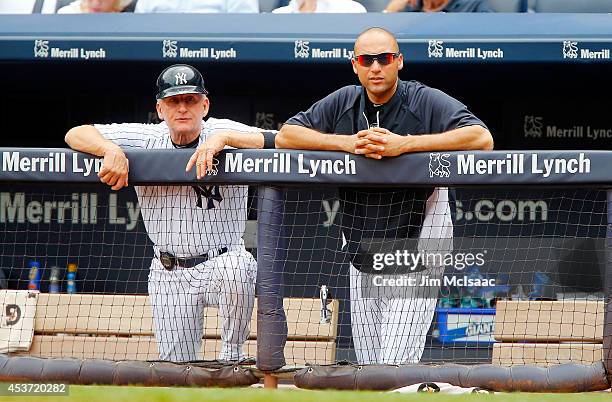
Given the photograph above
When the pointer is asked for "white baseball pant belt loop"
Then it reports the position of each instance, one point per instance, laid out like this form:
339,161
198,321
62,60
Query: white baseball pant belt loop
169,261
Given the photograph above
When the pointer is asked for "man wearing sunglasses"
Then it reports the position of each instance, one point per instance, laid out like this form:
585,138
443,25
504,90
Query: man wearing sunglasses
386,117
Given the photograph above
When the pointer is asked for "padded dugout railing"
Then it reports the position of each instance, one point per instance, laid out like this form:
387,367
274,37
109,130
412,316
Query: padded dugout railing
465,169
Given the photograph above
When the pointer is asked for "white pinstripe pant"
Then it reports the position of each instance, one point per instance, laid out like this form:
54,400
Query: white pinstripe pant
390,325
178,299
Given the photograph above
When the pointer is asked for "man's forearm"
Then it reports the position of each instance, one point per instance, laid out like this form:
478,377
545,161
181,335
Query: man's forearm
297,137
89,140
244,140
469,138
395,6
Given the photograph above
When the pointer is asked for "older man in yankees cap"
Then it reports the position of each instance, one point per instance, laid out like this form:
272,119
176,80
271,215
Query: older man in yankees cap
200,259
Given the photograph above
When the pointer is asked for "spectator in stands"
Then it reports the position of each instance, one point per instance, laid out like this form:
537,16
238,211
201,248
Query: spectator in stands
448,6
96,6
321,6
28,6
197,6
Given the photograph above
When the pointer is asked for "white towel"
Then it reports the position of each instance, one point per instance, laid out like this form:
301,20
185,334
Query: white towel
18,310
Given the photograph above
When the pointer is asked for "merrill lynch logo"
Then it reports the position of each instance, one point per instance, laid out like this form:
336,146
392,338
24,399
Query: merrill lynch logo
169,48
301,50
439,165
570,49
532,126
41,48
435,48
215,168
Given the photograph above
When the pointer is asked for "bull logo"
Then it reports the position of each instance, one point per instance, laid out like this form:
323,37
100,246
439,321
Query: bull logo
532,126
169,48
439,165
215,169
41,48
435,49
301,49
570,49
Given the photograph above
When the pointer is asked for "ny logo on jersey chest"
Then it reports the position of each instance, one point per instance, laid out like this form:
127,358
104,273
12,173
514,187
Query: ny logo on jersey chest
211,193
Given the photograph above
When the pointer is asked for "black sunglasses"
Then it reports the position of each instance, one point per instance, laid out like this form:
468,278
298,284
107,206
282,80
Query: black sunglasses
366,60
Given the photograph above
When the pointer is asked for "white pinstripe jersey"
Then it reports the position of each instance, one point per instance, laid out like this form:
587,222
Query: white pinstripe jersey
185,220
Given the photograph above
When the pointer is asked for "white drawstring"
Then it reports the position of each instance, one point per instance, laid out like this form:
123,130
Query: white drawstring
377,119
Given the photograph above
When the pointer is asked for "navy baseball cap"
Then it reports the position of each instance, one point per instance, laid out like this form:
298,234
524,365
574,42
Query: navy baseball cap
180,79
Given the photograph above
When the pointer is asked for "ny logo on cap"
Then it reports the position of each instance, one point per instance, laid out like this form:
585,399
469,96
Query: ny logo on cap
180,79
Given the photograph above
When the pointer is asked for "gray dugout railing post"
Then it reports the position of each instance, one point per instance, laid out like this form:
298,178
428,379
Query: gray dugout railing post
271,319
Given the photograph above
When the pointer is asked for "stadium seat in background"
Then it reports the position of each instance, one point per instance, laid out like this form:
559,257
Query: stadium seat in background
572,6
266,6
374,6
508,6
128,9
62,3
27,6
500,6
530,5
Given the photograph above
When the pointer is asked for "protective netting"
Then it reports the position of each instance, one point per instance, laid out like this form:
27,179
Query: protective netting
390,276
504,275
128,278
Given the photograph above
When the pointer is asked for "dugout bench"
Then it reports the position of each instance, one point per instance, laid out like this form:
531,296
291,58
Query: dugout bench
548,332
120,327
